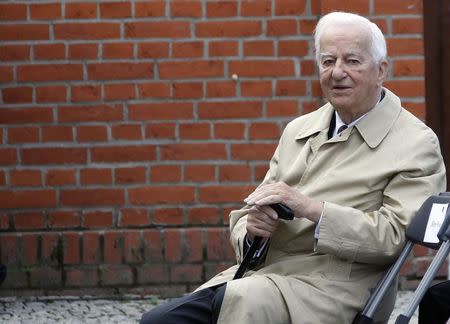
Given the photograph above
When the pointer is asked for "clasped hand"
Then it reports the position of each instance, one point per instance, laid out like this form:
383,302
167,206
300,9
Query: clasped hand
263,220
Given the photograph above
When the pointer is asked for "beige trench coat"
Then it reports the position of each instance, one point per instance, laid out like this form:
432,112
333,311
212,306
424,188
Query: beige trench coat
372,179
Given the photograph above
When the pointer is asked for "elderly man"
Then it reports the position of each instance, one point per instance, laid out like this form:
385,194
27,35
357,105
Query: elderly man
354,172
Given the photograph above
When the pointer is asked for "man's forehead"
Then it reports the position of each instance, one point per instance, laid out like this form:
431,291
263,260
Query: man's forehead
345,54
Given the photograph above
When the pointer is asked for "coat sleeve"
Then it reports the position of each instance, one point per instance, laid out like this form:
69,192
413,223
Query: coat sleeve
377,237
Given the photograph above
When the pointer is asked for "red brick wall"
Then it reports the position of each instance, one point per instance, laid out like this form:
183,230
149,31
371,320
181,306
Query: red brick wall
126,141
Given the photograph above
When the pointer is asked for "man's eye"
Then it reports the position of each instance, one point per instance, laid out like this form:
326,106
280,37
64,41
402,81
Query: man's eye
327,62
353,61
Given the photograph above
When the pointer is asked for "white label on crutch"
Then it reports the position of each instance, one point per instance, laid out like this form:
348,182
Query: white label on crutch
437,216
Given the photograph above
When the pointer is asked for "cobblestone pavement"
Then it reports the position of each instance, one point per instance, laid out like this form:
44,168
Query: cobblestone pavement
88,310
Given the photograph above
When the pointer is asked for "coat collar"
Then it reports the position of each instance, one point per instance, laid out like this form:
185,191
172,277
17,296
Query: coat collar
373,127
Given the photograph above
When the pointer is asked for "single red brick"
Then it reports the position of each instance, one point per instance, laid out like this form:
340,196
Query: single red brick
230,109
107,71
25,178
80,277
96,113
158,29
21,32
154,90
92,197
222,194
13,11
153,50
229,130
291,88
130,175
28,199
123,153
92,133
193,251
60,177
17,95
45,11
71,243
361,7
165,173
206,151
282,27
251,8
152,240
161,195
91,248
193,172
115,10
221,89
118,50
64,219
116,275
86,92
30,248
46,72
169,216
256,88
83,51
127,132
195,131
223,48
14,52
224,8
187,49
133,217
163,130
152,8
173,248
161,111
57,133
203,216
259,48
97,219
184,90
243,28
54,51
278,108
54,155
95,176
29,220
9,248
87,31
252,151
235,173
23,135
121,91
186,8
190,69
262,68
133,247
113,247
56,93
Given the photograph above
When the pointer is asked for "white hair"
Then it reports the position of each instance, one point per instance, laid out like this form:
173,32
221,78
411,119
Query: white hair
378,42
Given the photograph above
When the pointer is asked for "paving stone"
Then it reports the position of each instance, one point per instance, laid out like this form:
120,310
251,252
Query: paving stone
88,310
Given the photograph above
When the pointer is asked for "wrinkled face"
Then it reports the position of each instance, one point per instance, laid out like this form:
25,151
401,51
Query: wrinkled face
349,77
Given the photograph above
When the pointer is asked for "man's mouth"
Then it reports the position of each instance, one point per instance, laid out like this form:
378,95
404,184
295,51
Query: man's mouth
340,87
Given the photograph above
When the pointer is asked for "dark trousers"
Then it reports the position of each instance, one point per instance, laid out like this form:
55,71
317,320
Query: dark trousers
202,306
435,305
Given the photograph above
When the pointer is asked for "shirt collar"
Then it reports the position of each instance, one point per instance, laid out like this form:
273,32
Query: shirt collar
373,127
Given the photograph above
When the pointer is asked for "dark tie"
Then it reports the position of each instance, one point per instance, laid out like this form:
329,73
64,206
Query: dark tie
341,129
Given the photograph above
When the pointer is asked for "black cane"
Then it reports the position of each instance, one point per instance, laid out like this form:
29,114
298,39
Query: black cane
283,212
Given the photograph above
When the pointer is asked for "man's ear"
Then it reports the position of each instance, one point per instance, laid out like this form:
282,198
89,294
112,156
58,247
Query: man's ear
382,71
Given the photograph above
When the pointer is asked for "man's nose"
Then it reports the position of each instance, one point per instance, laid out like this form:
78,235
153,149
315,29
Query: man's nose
338,72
